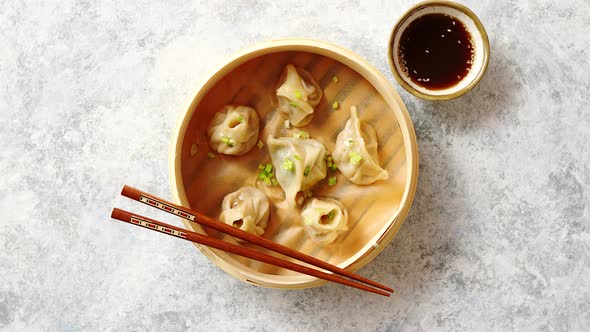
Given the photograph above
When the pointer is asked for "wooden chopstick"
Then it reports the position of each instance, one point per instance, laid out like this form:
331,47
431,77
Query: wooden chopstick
181,233
197,217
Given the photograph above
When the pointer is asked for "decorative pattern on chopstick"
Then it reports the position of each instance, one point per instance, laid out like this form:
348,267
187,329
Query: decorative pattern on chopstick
156,225
147,224
165,207
204,220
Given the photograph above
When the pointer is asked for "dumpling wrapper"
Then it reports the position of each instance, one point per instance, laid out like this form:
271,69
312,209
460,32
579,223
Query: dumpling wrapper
302,154
356,152
234,130
324,219
298,94
247,208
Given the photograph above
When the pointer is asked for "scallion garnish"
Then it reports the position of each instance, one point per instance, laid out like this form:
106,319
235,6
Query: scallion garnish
266,174
355,158
227,141
332,181
331,214
288,165
268,168
302,134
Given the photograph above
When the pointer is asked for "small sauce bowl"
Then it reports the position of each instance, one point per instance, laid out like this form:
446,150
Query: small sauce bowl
481,49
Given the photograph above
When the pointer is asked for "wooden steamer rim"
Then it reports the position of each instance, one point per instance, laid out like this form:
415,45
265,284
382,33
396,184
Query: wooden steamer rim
369,73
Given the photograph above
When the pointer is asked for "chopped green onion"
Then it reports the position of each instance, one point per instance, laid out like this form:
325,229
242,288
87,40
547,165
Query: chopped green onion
335,105
330,163
293,104
274,181
211,155
266,174
302,134
331,214
260,144
297,157
307,170
355,158
332,181
288,165
227,140
240,118
335,79
307,221
297,94
268,168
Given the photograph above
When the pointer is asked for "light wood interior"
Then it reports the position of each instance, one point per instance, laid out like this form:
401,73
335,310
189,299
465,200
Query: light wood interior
375,211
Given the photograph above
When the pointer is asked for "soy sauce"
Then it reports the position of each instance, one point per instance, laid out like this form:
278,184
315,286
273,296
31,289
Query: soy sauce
436,51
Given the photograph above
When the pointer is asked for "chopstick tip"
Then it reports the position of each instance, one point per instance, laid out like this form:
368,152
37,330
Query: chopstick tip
114,213
117,214
124,189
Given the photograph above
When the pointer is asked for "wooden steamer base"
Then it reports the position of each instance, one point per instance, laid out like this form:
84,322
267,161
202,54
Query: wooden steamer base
249,77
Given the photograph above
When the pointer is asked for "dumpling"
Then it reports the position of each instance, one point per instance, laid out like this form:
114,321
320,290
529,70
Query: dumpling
246,209
233,130
324,219
298,94
299,164
356,152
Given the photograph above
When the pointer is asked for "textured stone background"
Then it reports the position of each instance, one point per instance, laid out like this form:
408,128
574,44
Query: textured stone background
498,237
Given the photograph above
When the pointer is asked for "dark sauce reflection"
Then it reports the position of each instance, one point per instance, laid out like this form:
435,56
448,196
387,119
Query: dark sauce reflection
436,51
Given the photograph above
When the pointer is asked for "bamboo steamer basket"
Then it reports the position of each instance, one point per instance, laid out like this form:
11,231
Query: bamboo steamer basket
249,77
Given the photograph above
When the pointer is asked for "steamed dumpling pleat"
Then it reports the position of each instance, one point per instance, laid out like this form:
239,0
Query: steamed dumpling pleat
233,130
324,219
298,94
299,164
356,152
247,209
